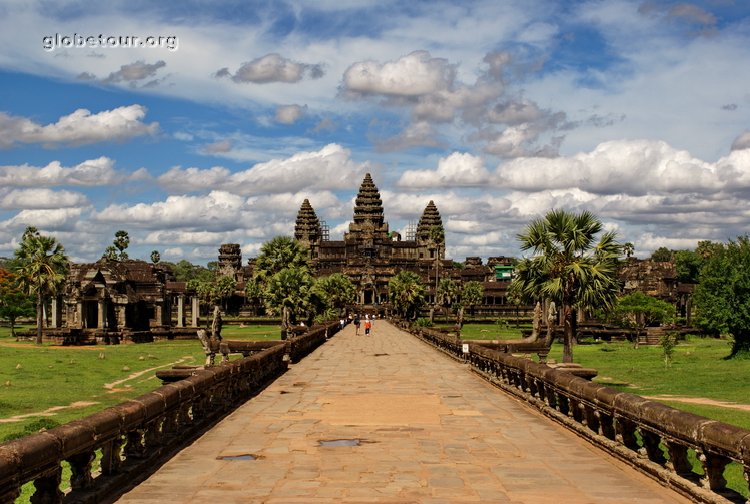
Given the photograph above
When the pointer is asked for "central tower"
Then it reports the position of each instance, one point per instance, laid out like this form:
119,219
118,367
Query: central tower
368,228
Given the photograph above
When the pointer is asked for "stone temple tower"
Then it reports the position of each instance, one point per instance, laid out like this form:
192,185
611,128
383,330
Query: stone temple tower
307,230
430,218
230,260
368,228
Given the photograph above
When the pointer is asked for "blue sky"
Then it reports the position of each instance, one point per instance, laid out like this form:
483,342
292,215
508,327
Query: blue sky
498,111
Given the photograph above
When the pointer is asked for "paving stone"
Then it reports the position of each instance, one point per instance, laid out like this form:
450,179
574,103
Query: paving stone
430,431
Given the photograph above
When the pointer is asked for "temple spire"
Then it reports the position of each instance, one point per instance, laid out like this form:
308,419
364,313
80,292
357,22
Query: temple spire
430,217
368,207
307,226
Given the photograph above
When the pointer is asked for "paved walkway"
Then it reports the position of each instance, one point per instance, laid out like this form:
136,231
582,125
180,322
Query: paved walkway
428,430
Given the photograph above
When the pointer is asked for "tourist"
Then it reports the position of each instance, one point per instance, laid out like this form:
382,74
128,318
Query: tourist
356,324
368,325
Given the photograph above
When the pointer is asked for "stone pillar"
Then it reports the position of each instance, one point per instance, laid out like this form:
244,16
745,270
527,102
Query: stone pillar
101,319
194,314
181,310
78,319
121,317
56,315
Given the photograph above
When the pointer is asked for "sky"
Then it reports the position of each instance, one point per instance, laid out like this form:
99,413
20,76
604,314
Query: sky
191,124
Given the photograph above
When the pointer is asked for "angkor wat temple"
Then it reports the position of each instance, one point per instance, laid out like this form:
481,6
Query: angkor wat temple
127,299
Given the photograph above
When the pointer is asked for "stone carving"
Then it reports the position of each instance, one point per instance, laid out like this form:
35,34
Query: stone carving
214,344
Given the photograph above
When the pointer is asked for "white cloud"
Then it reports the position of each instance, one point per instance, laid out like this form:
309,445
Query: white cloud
273,68
633,167
331,167
742,141
458,169
134,72
58,218
289,114
415,74
91,173
40,199
80,127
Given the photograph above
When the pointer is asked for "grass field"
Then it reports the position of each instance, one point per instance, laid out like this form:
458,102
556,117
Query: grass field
78,381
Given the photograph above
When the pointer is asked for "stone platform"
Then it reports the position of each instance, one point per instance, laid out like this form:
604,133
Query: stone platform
385,418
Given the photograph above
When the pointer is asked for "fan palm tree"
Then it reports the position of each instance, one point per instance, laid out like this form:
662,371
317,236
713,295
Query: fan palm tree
277,254
42,266
406,292
446,294
568,266
338,291
289,293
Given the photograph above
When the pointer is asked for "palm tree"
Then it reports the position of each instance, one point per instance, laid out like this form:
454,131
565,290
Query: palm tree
42,266
337,289
289,293
472,294
406,292
225,286
446,293
277,254
628,249
568,266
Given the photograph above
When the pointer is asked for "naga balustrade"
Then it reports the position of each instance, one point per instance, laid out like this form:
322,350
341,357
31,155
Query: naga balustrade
135,437
647,434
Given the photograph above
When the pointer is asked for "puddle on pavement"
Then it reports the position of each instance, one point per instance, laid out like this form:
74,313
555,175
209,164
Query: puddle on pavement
244,456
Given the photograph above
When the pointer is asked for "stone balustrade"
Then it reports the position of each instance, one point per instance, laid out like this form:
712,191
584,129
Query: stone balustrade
647,434
133,438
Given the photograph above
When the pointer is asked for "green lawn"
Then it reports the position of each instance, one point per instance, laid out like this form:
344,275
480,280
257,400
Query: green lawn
34,379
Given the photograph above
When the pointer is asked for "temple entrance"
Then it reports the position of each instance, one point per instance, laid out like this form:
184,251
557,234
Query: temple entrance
368,296
91,314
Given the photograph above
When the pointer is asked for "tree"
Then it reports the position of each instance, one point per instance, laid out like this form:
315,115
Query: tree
14,303
662,254
281,252
155,256
437,237
406,292
253,293
289,293
568,266
224,287
42,266
687,263
638,311
628,249
446,294
121,242
337,289
472,294
722,296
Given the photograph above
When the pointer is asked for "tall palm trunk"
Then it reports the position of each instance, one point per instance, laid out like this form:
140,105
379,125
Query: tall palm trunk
569,335
39,317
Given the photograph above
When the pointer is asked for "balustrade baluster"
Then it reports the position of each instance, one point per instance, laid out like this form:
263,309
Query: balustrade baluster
678,459
625,433
713,470
591,418
80,469
112,456
606,424
651,442
135,447
47,487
